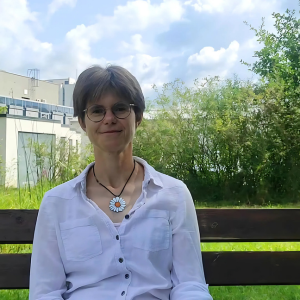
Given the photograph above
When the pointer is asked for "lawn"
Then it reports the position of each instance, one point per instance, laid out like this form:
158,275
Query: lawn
13,199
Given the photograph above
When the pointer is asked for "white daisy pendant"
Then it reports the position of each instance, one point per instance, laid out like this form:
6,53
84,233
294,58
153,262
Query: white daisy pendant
117,204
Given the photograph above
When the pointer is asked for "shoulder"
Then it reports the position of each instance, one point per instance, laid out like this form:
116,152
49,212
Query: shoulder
166,182
169,182
69,189
64,191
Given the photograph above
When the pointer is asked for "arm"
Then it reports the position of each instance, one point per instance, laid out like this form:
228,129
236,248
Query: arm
187,272
47,275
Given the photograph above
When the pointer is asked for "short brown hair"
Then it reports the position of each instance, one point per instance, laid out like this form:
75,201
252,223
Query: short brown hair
96,81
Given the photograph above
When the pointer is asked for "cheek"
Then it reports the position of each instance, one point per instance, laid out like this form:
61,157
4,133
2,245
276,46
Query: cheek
91,130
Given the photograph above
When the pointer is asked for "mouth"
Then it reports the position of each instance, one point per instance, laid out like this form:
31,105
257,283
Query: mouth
112,132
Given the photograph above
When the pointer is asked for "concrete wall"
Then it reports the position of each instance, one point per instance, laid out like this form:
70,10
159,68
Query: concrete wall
68,80
15,86
2,148
16,124
66,90
69,89
84,138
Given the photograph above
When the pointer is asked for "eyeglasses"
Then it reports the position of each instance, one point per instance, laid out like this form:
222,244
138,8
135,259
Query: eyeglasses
96,113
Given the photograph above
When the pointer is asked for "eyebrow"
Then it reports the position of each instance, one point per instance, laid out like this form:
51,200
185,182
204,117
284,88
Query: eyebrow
95,104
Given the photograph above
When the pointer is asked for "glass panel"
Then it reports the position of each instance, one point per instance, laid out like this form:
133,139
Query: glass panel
44,108
2,100
10,101
35,105
30,167
18,102
28,104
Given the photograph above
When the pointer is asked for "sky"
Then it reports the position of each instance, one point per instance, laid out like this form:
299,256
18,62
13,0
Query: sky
158,41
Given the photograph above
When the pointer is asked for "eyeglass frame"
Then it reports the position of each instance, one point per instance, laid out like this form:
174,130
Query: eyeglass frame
85,110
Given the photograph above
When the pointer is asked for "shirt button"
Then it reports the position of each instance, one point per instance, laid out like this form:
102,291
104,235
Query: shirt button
127,276
120,260
127,217
117,237
123,293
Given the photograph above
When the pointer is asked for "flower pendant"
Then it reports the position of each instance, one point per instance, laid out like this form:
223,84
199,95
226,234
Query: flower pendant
117,204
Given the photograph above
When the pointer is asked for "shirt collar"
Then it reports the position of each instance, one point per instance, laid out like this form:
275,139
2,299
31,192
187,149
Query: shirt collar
150,174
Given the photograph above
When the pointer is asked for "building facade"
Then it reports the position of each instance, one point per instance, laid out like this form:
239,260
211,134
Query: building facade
67,86
21,87
32,115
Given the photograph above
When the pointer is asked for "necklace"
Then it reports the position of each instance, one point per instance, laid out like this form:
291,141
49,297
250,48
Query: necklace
117,204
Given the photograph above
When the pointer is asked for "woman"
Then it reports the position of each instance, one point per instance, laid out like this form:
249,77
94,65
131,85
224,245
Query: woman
120,230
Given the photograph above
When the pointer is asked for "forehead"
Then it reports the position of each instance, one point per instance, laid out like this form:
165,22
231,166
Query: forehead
108,99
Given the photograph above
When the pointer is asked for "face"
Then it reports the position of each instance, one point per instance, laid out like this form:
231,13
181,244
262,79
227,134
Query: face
123,133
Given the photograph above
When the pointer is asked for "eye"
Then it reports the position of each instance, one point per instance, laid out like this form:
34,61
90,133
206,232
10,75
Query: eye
97,110
121,107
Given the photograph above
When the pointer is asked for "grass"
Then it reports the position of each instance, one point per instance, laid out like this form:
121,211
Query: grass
15,199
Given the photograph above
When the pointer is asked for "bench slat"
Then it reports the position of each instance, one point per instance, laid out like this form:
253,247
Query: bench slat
221,269
252,268
17,226
249,225
216,225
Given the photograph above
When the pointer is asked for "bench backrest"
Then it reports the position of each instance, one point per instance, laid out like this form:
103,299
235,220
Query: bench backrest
216,225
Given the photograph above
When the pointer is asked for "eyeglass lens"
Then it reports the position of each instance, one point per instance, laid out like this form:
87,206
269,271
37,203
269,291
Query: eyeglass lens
97,112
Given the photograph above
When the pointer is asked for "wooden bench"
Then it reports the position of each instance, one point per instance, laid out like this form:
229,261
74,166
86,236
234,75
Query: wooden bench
216,225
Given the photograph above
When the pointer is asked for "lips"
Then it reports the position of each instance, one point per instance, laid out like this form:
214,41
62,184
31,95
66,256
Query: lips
113,131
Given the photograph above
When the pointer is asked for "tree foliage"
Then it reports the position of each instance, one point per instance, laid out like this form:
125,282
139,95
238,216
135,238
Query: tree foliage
280,56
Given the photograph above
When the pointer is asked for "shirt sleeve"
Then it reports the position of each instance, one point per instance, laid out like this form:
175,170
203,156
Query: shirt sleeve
47,275
187,272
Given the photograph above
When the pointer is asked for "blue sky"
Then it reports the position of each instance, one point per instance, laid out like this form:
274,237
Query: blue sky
158,41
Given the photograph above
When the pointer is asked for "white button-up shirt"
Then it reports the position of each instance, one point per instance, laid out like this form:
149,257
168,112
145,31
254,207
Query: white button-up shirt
79,254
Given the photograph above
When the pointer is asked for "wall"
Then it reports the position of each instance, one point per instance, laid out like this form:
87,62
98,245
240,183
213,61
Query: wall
69,88
2,147
84,138
16,124
12,85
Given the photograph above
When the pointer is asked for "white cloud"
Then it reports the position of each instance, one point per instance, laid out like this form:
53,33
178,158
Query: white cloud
217,61
135,44
251,44
234,6
132,17
141,14
208,55
147,69
18,43
20,49
135,16
56,4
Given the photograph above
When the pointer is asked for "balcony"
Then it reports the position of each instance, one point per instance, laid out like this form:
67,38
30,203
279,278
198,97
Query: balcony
35,109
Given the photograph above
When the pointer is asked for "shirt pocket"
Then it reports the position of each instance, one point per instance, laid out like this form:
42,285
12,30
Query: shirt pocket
151,230
81,239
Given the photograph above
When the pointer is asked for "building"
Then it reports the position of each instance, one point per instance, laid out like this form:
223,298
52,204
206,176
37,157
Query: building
28,88
67,86
33,113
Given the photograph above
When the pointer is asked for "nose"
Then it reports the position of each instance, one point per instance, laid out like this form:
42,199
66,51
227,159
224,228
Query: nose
109,117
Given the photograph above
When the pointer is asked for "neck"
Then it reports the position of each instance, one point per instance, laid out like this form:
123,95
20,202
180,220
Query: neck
113,170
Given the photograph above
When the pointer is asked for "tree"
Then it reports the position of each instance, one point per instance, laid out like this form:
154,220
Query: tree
280,56
278,66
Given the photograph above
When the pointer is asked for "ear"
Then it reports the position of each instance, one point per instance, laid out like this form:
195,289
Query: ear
82,124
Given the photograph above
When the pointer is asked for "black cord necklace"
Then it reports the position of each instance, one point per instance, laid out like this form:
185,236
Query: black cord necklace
117,204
